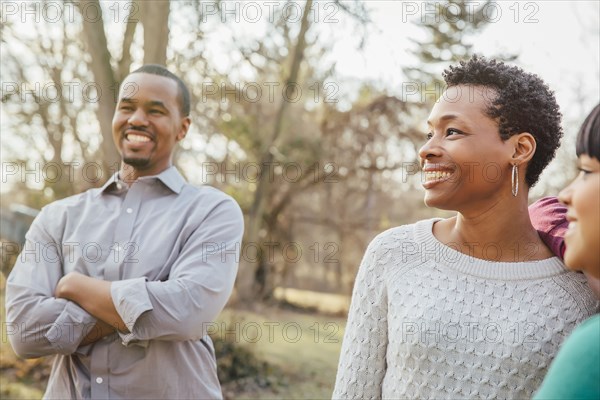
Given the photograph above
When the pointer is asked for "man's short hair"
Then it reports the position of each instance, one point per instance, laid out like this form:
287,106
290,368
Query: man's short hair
523,103
184,93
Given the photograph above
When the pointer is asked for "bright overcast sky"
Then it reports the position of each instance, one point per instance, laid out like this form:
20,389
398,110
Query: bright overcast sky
558,40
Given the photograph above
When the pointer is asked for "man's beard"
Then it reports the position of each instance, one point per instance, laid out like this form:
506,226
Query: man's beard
140,163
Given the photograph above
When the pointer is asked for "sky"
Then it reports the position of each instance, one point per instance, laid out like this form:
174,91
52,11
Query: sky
558,40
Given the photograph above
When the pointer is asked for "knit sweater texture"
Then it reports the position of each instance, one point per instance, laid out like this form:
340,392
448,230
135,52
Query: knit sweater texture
429,322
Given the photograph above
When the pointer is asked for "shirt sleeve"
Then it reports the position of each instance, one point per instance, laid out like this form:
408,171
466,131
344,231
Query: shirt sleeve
199,284
548,217
37,323
362,362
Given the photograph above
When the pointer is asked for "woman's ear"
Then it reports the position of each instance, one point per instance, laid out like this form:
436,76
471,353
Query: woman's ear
523,145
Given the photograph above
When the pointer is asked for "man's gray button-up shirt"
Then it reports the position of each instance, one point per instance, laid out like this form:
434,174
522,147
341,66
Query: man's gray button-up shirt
171,251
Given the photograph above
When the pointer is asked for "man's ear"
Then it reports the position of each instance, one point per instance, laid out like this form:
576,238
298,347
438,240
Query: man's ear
185,125
523,148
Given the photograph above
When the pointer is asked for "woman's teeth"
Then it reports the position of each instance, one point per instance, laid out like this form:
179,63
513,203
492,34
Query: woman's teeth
436,175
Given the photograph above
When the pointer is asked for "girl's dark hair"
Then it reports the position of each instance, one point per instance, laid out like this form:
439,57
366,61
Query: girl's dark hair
523,103
588,139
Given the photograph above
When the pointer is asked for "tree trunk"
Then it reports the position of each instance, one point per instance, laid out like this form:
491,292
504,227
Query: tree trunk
155,19
104,77
125,61
246,287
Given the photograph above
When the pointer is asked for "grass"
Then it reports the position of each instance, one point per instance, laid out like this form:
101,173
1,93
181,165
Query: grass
17,390
301,348
324,303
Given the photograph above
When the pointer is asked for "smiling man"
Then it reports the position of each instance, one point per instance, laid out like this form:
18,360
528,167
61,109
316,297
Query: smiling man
128,318
151,117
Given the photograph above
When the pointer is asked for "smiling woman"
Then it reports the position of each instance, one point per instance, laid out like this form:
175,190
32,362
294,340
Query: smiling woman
575,374
456,176
474,306
582,197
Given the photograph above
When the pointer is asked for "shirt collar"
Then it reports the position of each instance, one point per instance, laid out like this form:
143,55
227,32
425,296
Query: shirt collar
110,183
170,177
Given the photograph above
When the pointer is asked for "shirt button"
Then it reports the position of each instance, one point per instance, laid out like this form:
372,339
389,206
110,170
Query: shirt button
99,380
119,186
129,211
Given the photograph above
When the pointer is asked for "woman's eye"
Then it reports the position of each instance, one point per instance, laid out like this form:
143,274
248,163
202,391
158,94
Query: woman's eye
584,171
429,135
451,131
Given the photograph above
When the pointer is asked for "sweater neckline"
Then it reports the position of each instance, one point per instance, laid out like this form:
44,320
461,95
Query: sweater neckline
467,264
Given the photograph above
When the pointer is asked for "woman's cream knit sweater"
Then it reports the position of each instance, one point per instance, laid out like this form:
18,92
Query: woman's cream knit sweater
430,322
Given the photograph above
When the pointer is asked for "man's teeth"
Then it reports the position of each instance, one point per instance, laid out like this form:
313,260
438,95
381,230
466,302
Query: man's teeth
436,175
137,138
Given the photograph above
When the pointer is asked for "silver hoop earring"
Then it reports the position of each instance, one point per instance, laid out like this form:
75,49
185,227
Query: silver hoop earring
515,180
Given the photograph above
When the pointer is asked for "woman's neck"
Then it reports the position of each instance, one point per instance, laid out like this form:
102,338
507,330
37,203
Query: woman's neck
500,231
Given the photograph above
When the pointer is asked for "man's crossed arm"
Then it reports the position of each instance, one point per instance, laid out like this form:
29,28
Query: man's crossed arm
93,295
49,312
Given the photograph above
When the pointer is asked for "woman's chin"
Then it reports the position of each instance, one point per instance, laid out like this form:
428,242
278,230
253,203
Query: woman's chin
437,202
573,258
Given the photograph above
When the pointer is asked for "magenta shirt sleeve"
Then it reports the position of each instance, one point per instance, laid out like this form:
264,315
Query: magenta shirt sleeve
548,217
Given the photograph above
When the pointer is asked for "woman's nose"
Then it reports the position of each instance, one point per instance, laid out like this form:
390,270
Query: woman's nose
429,149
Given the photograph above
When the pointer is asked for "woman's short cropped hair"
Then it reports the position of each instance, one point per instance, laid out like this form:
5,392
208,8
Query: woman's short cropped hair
522,102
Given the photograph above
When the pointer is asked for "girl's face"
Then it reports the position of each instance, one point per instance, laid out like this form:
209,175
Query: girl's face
582,198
